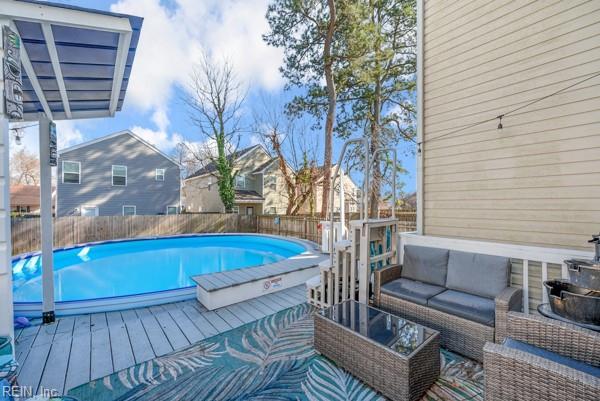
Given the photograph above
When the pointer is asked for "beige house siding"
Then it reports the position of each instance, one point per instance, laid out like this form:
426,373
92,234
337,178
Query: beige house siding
201,194
351,200
537,180
276,199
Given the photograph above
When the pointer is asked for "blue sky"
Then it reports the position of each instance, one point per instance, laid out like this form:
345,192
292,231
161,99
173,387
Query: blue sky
175,33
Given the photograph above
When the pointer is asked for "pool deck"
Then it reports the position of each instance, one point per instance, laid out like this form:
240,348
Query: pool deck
77,349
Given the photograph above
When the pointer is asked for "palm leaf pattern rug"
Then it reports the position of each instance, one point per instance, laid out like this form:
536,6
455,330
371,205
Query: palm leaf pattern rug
270,359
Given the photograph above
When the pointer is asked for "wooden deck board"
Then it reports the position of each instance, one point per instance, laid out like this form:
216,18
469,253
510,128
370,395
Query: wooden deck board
140,344
80,348
229,317
101,359
120,346
33,367
158,340
265,309
189,329
78,371
24,342
172,331
240,313
207,329
58,360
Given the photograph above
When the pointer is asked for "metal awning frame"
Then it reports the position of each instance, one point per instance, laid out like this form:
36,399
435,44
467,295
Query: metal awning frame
48,15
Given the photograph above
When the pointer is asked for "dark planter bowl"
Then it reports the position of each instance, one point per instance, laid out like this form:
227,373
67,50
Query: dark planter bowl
573,302
584,273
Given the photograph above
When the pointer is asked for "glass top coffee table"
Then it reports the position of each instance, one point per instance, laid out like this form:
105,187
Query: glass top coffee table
395,356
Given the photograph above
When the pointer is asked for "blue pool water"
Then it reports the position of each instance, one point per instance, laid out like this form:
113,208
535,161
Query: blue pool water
143,266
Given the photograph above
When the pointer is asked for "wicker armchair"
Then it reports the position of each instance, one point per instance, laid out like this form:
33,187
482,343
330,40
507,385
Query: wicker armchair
511,374
457,334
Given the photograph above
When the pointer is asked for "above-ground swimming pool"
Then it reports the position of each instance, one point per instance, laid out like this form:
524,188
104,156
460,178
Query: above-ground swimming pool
144,266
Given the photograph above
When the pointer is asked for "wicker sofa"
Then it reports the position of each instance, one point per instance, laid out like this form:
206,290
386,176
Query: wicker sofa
543,359
465,296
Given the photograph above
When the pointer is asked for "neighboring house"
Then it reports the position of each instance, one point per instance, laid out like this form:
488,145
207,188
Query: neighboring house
118,174
351,194
536,181
259,186
25,199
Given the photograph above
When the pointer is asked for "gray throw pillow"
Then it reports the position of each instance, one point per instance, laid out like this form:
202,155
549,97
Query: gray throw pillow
477,274
425,264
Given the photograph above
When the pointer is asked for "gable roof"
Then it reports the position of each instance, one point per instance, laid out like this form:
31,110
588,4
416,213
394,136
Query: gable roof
247,195
264,166
212,167
117,134
24,194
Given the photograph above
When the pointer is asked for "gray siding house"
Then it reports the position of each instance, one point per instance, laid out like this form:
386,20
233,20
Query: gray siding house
118,174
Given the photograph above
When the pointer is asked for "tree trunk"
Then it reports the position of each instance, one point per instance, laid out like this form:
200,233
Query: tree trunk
375,190
331,97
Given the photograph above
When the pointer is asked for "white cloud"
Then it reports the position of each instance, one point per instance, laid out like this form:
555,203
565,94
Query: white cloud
255,140
159,138
67,134
172,40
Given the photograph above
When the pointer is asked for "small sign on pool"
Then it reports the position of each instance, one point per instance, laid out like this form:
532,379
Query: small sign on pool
272,284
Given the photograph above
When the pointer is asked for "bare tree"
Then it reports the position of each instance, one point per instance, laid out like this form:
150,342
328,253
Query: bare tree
185,154
24,168
215,98
295,149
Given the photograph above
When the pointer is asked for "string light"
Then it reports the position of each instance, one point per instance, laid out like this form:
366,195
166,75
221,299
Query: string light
466,127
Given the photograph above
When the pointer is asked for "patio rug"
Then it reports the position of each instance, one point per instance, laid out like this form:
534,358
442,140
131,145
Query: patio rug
270,359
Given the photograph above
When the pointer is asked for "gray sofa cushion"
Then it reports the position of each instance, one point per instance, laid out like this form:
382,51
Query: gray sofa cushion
425,264
468,306
477,274
410,290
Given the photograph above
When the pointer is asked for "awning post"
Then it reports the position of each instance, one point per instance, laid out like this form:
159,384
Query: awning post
47,230
6,298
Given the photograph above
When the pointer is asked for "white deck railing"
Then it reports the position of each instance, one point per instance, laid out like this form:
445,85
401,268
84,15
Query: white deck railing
545,256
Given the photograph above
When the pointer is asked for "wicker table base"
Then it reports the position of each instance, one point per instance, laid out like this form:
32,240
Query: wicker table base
395,375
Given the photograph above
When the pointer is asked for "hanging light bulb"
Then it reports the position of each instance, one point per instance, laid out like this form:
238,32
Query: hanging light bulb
18,137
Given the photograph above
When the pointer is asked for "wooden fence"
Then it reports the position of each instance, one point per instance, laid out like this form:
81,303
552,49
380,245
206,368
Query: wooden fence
291,226
77,230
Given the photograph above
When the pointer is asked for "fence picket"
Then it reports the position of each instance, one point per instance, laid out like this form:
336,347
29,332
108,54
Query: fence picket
71,230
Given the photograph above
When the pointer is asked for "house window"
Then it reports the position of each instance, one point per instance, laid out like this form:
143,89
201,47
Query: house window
129,210
171,209
159,175
236,210
240,181
273,210
71,172
271,182
89,211
249,210
119,175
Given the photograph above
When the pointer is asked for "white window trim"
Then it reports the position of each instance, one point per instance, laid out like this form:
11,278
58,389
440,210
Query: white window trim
96,213
241,176
112,175
176,211
63,171
235,209
134,210
156,174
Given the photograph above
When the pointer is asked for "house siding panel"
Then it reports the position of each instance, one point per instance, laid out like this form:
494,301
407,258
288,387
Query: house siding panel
197,197
142,190
536,181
